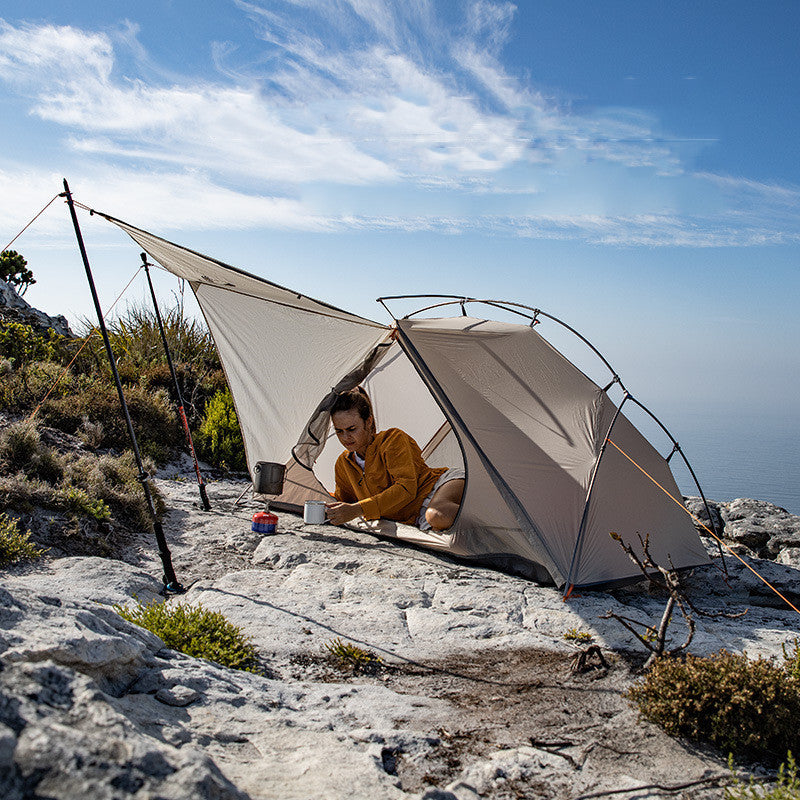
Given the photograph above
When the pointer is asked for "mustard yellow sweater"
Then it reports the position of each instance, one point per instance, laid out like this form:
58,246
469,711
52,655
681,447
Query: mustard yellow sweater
395,479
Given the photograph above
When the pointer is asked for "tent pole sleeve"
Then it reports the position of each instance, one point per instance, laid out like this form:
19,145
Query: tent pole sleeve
181,409
506,492
170,580
576,553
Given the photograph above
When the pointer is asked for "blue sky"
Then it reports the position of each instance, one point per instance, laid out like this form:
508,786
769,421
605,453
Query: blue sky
628,166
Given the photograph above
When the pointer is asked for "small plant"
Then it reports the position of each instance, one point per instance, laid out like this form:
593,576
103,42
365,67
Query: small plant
654,638
14,544
574,635
352,658
743,706
219,439
786,786
196,631
78,500
791,659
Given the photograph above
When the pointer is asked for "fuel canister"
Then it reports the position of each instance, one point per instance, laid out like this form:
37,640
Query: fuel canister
264,522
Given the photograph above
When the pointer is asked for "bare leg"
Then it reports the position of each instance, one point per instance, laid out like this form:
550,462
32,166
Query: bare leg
444,505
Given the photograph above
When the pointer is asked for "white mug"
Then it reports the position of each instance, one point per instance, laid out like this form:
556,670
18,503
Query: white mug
314,512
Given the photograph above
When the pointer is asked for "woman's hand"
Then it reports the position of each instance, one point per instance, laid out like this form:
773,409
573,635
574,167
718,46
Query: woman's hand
339,513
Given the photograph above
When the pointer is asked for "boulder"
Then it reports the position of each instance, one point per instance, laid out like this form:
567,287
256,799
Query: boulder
61,738
697,508
15,309
763,527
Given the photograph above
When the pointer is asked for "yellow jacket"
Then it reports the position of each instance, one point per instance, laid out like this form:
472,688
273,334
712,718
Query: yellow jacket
395,479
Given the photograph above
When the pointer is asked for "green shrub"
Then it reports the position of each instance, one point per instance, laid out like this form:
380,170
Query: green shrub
135,338
196,632
21,450
745,706
79,501
14,544
114,482
21,343
786,786
219,440
154,420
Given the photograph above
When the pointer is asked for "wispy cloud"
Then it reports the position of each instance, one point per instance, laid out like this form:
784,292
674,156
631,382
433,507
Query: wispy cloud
371,96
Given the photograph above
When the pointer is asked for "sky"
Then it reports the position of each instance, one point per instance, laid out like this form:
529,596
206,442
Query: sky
628,166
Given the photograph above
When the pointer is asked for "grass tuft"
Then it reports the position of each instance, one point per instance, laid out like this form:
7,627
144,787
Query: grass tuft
351,658
785,787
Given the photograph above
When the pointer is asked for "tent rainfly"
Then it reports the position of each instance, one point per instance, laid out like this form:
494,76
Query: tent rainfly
544,487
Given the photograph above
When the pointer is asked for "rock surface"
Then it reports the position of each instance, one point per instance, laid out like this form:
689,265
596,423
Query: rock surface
473,697
16,309
762,529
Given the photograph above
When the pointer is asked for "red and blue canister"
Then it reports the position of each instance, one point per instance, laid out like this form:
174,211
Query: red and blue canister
264,522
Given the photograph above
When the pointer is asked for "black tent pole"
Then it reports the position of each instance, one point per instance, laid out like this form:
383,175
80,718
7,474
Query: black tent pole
181,410
170,581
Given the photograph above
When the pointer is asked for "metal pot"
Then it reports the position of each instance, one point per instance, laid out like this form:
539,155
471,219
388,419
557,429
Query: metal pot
268,477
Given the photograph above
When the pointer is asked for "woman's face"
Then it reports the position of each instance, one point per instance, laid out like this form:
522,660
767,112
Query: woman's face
354,433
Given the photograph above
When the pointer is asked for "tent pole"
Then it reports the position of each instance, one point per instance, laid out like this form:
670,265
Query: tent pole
171,583
203,496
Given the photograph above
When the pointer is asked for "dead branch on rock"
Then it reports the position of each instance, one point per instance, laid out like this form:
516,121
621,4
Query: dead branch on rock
654,638
715,780
580,661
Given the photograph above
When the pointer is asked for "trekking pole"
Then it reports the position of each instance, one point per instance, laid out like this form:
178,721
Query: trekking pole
203,496
171,583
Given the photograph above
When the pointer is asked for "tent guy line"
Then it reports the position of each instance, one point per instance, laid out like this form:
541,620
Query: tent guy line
705,527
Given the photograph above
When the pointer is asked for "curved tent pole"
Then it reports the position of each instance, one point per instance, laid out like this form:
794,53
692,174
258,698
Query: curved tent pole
504,305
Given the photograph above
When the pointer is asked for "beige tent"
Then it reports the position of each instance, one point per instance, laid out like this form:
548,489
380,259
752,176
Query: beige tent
543,490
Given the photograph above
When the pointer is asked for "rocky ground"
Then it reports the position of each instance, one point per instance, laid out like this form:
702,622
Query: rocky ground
474,695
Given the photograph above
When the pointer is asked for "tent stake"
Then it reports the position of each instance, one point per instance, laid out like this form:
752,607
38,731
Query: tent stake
171,584
203,496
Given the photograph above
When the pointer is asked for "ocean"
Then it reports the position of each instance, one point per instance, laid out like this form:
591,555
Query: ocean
737,454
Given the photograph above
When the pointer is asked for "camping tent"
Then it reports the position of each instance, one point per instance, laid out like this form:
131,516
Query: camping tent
544,488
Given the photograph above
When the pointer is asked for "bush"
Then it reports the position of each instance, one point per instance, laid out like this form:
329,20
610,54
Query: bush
20,344
14,545
23,389
219,440
113,481
743,706
195,631
97,403
21,450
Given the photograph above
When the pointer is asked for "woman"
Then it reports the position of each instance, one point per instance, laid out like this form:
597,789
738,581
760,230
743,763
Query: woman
383,474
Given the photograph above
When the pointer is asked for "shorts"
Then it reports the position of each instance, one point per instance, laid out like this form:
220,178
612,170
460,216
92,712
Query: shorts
452,474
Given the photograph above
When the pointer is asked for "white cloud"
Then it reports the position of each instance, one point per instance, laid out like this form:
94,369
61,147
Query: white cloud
366,95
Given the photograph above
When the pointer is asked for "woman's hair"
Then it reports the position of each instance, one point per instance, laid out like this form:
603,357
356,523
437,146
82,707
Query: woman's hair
353,399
